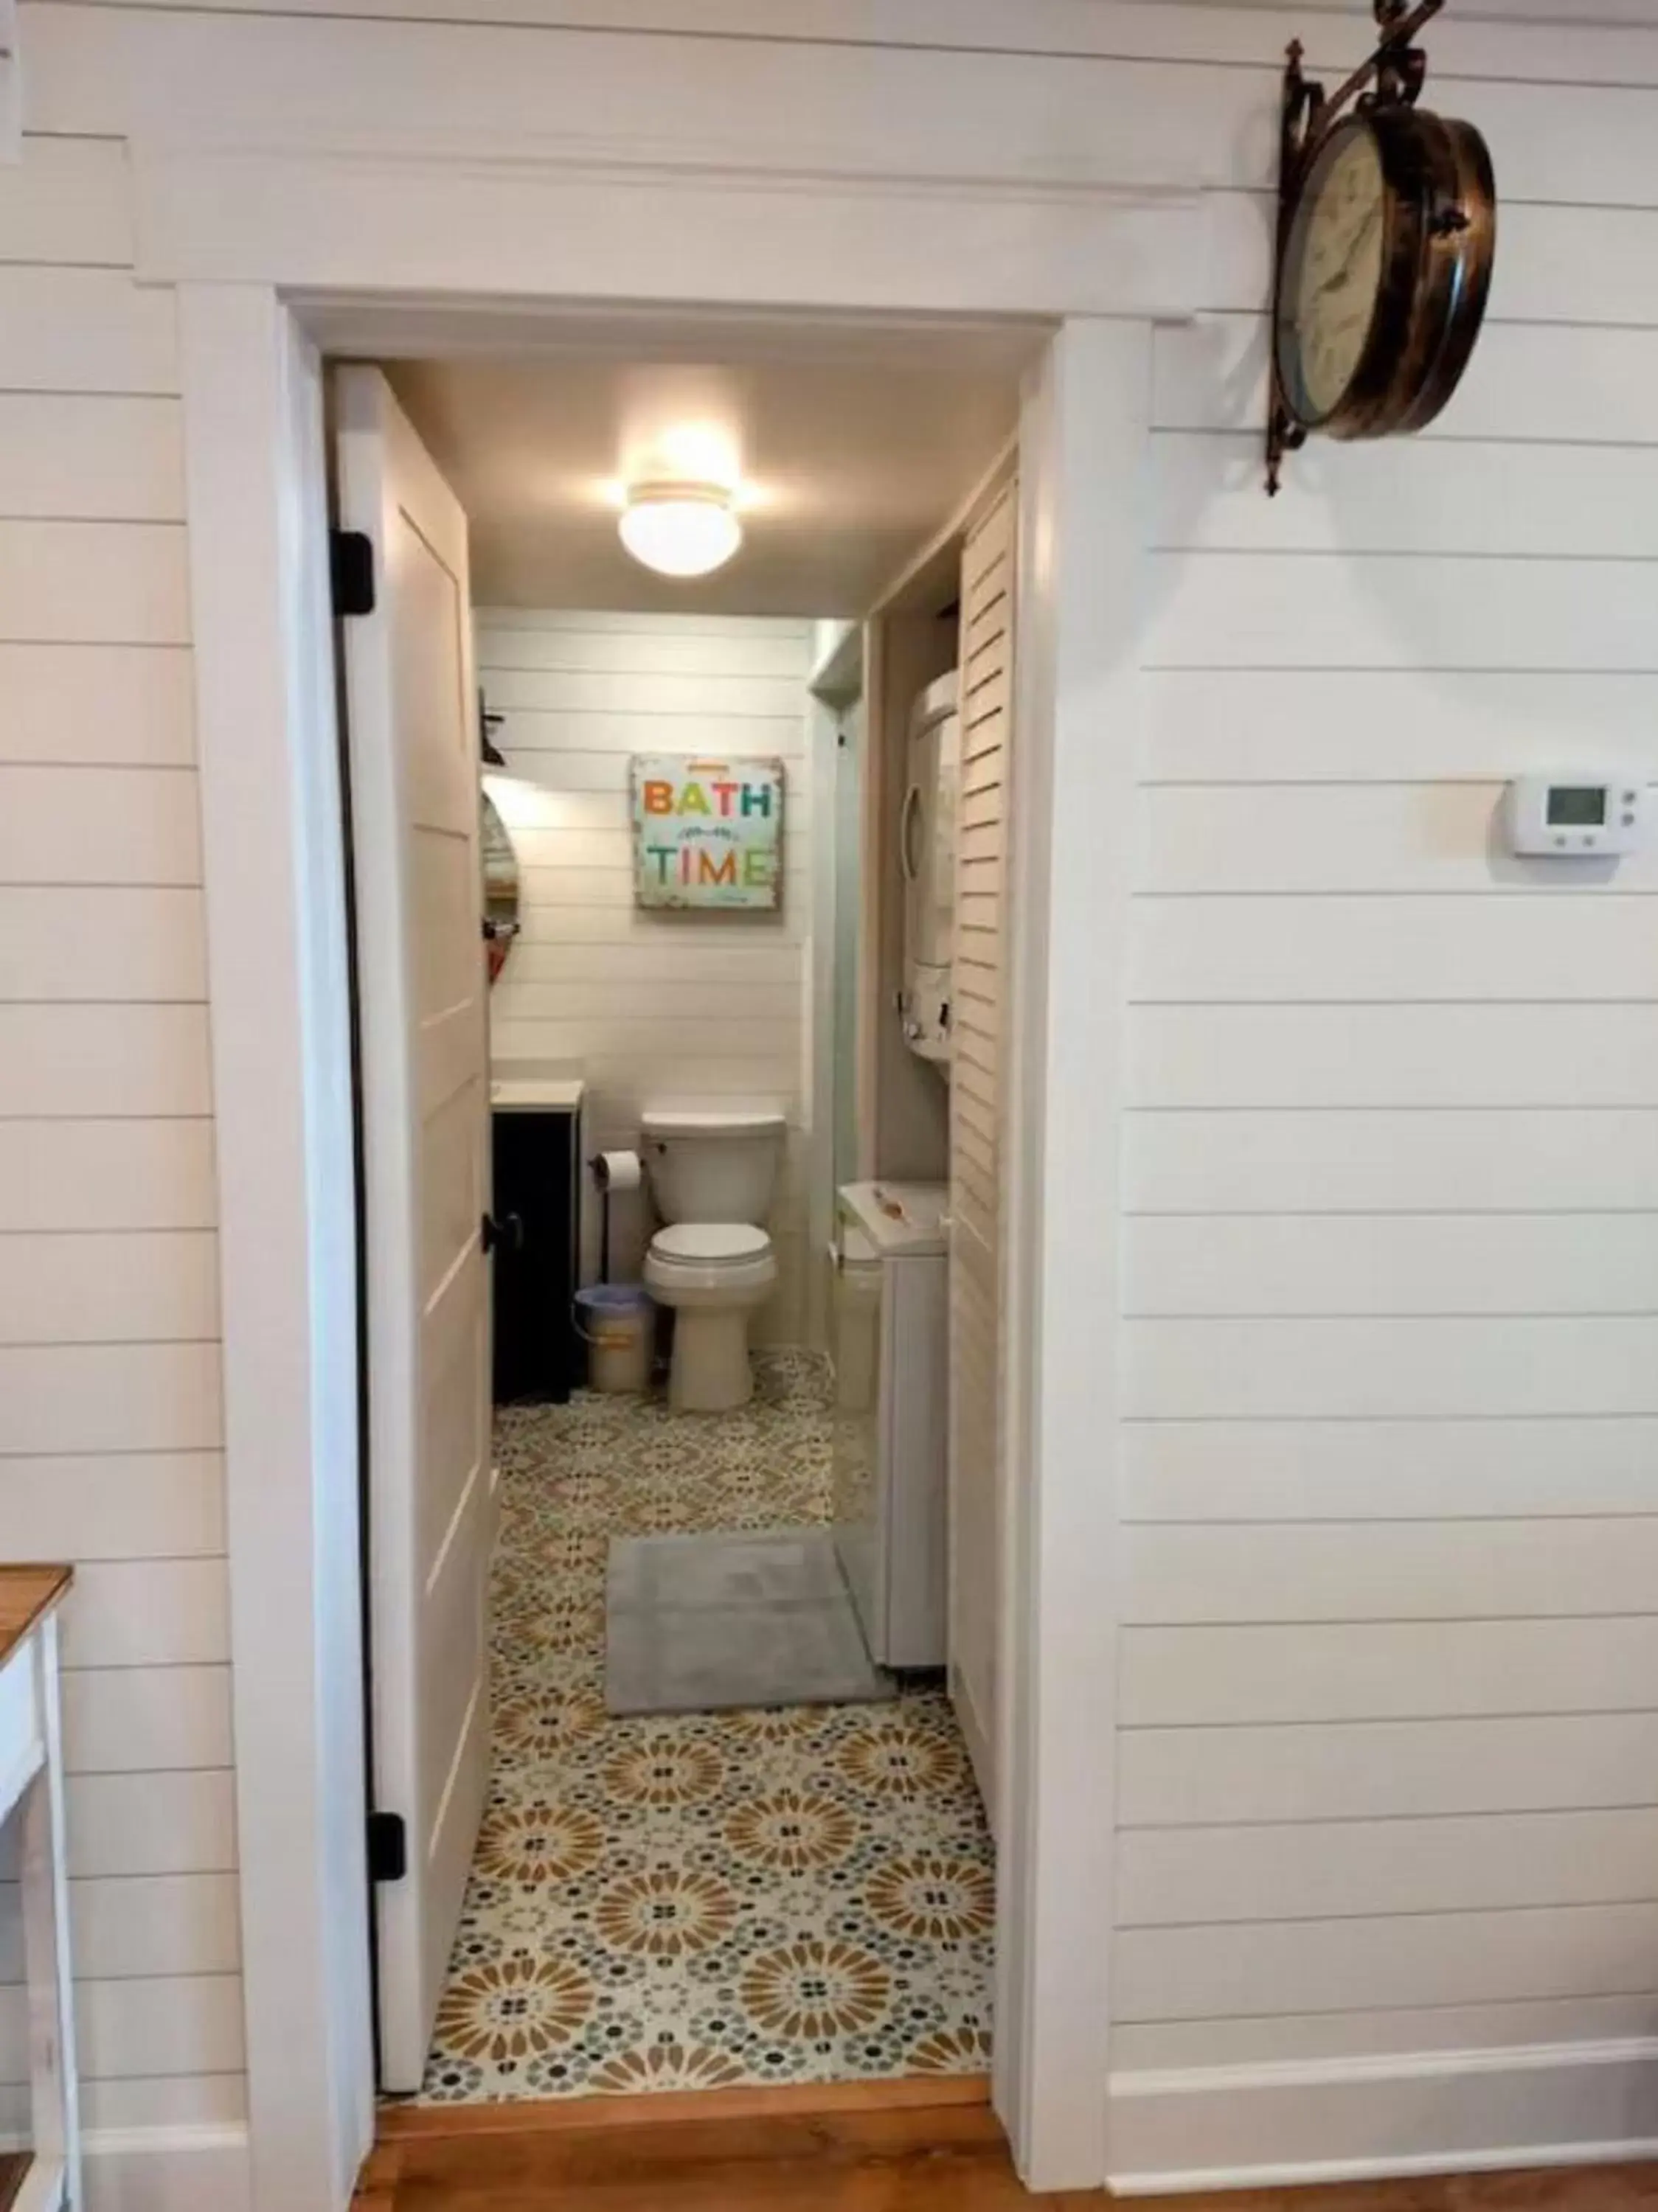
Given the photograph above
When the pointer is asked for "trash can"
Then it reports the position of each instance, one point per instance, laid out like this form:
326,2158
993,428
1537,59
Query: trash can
614,1321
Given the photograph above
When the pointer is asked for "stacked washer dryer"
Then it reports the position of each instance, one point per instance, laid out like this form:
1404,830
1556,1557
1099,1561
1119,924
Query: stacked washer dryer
927,835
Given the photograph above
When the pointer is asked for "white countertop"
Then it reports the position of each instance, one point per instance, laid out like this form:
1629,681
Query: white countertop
537,1094
902,1219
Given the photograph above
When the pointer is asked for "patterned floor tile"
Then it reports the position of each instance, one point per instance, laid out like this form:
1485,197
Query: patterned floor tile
702,1900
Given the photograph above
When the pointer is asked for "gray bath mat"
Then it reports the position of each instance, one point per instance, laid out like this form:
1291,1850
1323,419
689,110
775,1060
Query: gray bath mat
702,1624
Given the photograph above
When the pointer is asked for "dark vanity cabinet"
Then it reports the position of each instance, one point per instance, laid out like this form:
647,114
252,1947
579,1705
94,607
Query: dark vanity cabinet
537,1151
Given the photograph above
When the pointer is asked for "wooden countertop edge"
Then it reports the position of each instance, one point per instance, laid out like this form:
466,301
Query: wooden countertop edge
763,2100
28,1594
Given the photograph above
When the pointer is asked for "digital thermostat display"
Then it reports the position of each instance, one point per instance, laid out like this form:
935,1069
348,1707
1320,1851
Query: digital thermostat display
1576,806
1578,816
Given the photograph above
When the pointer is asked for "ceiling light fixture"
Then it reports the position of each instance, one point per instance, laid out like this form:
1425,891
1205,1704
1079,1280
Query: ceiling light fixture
680,529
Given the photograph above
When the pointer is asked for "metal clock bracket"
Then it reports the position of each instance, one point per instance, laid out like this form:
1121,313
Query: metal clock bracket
1397,71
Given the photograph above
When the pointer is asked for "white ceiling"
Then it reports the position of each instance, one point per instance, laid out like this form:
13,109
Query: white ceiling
855,444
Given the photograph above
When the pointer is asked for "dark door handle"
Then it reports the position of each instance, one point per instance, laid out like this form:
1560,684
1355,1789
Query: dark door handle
507,1232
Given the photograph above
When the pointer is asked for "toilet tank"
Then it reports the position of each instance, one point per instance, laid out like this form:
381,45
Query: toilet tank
714,1166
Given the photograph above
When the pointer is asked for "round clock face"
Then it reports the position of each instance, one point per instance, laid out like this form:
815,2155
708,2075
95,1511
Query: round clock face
1383,274
1333,275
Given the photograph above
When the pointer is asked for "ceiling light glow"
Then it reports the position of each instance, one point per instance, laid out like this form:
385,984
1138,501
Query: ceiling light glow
680,529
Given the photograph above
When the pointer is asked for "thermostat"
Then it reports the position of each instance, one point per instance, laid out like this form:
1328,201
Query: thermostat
1578,814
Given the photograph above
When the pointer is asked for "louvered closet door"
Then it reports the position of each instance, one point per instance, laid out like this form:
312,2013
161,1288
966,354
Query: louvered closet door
976,1352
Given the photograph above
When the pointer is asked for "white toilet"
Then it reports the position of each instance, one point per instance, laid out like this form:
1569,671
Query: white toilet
712,1175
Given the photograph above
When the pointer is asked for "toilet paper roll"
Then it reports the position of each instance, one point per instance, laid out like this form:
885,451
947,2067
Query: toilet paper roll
618,1170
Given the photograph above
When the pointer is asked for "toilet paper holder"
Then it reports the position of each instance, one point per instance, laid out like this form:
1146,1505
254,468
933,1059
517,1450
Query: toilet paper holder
610,1172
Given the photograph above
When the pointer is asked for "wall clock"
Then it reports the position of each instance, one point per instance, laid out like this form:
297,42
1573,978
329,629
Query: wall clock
1387,238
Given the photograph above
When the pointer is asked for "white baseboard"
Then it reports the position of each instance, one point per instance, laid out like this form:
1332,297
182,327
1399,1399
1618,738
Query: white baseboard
191,2169
1253,2127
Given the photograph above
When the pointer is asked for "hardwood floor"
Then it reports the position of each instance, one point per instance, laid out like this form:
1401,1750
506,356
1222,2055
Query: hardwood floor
851,2157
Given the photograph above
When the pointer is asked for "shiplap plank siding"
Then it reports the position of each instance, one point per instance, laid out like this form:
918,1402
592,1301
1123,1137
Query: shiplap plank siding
1487,1467
91,457
1362,1670
1403,619
1320,2039
1421,728
1367,1965
116,706
1386,1694
69,206
1474,1864
108,1270
85,329
651,1008
93,583
141,1925
135,1720
1341,1053
80,1174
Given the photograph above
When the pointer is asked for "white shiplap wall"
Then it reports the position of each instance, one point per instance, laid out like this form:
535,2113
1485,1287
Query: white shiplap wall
109,1415
1389,1703
1402,1106
652,1007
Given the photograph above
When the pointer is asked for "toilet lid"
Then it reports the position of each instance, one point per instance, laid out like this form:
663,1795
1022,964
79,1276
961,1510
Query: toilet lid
710,1242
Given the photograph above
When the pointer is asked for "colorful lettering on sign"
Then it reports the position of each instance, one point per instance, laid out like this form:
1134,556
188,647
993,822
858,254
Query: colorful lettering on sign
707,833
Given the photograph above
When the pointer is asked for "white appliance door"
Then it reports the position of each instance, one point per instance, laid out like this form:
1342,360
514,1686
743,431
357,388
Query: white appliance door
919,849
856,1323
412,716
947,806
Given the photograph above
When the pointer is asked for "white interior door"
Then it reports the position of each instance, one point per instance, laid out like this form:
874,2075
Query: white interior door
411,712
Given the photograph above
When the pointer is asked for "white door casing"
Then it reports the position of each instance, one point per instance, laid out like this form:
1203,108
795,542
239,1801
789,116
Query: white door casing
265,718
258,266
411,717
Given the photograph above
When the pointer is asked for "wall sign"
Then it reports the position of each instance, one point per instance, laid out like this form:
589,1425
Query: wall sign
707,833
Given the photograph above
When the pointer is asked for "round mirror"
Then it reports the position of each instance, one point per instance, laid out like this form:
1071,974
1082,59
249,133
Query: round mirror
501,923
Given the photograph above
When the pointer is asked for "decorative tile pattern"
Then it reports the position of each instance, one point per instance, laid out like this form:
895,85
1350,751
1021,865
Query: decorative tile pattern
709,1900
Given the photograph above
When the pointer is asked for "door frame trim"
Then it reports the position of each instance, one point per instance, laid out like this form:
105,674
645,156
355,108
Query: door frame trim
269,773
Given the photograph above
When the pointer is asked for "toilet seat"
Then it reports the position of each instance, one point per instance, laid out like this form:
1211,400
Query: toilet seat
710,1243
710,1264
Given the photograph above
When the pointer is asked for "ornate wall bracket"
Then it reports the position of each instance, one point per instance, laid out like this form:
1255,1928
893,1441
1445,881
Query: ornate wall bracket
1392,77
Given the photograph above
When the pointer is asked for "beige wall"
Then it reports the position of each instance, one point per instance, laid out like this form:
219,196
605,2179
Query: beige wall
652,1007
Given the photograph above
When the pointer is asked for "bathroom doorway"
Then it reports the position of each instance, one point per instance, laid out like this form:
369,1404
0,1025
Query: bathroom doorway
673,1883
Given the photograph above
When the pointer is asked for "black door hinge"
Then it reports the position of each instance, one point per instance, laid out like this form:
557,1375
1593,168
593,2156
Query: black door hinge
351,571
388,1847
